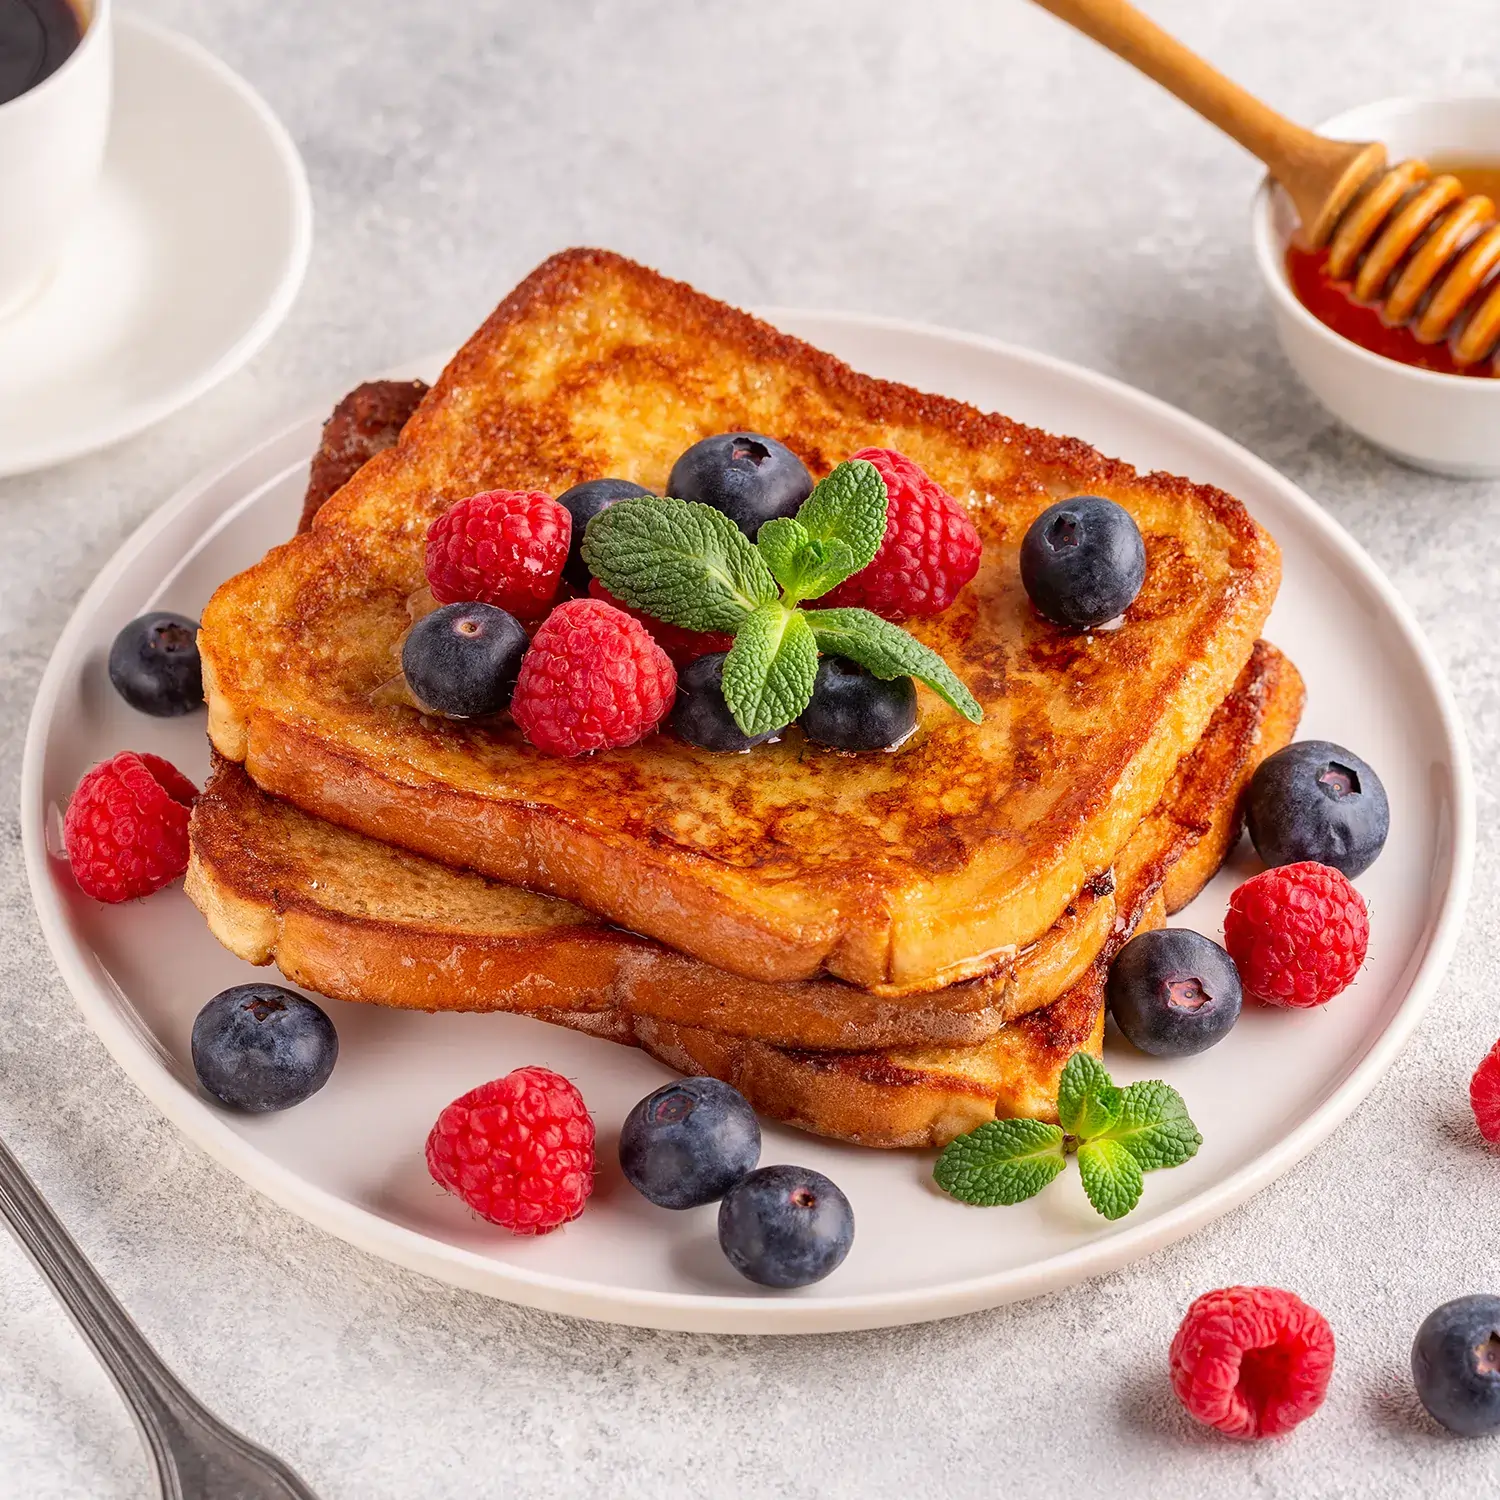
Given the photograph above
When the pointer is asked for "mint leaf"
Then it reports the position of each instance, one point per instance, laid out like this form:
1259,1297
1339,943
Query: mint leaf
1154,1126
769,672
679,561
784,543
803,566
888,651
1004,1161
1087,1102
849,506
1111,1177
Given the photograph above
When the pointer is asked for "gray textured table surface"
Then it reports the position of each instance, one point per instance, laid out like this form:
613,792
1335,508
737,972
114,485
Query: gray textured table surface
972,165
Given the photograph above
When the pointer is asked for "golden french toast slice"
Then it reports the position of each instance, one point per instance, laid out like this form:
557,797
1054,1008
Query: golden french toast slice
360,920
899,872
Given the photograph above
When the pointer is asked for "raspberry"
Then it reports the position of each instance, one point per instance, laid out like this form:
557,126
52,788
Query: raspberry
930,550
1484,1095
681,645
519,1151
126,829
505,547
592,680
1253,1361
1297,934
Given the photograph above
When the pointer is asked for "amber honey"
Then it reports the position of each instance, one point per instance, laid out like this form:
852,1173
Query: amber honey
1333,300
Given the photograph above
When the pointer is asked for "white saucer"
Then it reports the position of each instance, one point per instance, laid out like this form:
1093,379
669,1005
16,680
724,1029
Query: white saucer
350,1158
187,261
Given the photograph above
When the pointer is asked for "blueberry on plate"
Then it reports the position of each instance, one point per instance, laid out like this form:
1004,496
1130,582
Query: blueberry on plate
701,716
1315,800
1455,1362
583,502
1173,992
1083,562
852,709
462,660
689,1142
785,1226
260,1047
154,665
749,477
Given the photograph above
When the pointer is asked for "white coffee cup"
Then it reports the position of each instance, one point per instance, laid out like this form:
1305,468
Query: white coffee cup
52,142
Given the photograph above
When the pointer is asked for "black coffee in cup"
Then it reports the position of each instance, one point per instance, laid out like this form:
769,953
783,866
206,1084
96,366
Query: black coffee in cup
36,38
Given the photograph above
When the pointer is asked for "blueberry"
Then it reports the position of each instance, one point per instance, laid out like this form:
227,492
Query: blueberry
785,1226
1455,1362
462,659
701,716
852,709
1083,562
154,665
689,1142
1314,800
1173,992
749,477
583,502
260,1047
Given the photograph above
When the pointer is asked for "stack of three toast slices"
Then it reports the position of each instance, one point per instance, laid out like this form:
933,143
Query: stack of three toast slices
886,948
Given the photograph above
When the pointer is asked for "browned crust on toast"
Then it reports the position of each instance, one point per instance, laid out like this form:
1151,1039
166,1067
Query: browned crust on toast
366,422
944,900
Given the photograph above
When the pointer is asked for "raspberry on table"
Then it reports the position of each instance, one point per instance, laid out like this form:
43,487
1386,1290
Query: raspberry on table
518,1150
1297,934
1252,1361
126,827
594,679
681,645
1484,1095
504,547
929,552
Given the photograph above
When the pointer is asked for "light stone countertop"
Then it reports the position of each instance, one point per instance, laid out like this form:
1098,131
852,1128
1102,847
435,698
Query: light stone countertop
971,164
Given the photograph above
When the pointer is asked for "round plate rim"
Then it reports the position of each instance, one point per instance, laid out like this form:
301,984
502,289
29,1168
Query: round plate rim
716,1314
28,460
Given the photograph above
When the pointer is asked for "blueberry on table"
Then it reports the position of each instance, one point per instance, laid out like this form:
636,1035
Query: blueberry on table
1455,1362
1173,992
749,477
852,709
154,665
259,1047
462,660
1083,562
689,1142
1315,800
701,716
583,502
785,1226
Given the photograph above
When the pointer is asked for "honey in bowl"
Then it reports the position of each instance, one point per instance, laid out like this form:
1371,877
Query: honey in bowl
1332,300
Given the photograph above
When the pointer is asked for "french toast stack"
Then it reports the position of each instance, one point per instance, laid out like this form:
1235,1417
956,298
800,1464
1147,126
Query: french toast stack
885,948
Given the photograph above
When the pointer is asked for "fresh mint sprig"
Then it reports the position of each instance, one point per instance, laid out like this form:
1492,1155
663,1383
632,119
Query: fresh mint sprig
1117,1134
691,566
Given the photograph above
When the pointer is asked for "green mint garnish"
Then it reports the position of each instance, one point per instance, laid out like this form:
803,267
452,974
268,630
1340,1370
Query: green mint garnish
1111,1177
888,651
689,565
769,672
681,562
1118,1134
1088,1104
1004,1161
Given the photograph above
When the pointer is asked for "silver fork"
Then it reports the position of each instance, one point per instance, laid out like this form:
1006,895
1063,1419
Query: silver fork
195,1455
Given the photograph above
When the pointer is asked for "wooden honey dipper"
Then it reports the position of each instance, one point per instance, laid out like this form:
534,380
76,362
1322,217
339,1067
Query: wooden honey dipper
1411,242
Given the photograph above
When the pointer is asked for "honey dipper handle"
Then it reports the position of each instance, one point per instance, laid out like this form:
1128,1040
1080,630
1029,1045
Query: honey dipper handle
1320,176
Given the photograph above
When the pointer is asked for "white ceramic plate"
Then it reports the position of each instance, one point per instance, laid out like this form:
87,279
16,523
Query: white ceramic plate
350,1159
186,262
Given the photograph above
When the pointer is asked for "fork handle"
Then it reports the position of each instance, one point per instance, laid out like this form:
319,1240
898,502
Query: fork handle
196,1456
